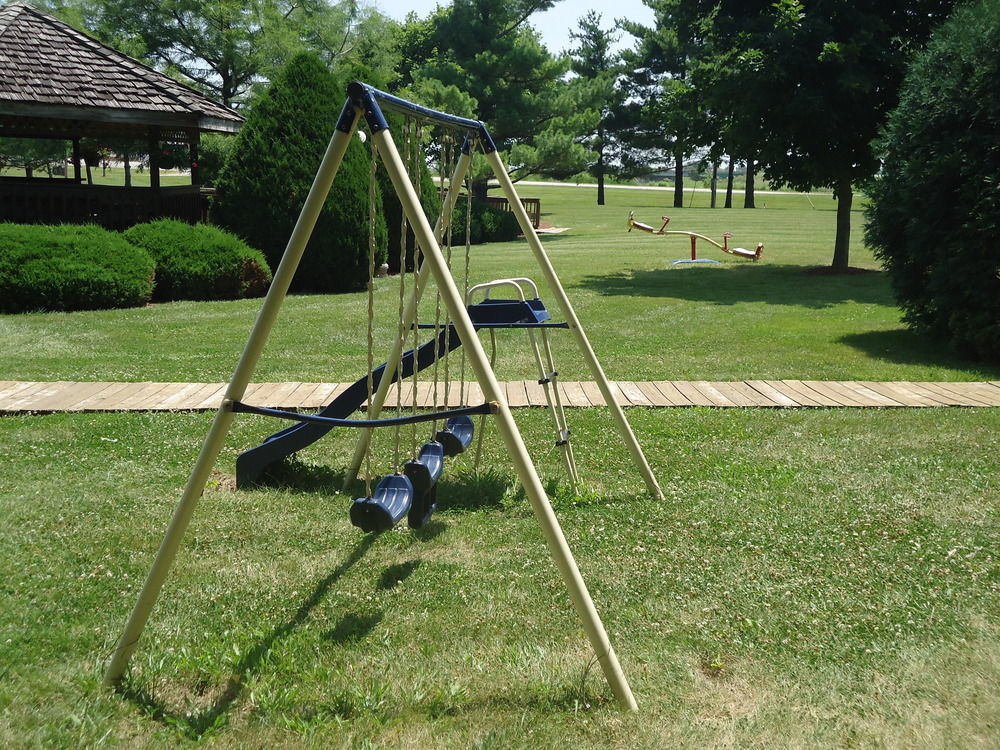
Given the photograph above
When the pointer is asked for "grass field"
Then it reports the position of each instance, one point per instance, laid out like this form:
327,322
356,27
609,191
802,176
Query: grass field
814,579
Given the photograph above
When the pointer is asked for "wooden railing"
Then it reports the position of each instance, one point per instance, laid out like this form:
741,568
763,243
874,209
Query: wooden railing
46,201
533,206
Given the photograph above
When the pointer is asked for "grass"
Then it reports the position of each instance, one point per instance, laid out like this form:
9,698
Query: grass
765,320
814,578
110,176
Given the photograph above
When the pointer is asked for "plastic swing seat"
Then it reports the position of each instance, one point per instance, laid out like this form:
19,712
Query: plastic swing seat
456,435
424,470
390,501
422,509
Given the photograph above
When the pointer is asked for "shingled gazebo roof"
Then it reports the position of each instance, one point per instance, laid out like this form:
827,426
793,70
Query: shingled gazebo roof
57,82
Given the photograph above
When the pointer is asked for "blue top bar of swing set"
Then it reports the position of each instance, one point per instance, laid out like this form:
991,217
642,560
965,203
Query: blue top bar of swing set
372,101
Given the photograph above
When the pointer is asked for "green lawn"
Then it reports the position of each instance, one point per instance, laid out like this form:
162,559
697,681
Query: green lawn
110,176
814,578
646,318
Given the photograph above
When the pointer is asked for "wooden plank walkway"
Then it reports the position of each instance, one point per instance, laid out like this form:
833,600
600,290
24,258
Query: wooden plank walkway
23,397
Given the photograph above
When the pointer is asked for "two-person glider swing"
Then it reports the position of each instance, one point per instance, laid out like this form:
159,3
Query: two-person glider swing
740,252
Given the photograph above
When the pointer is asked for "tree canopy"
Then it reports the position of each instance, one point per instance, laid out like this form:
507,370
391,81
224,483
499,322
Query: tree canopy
489,51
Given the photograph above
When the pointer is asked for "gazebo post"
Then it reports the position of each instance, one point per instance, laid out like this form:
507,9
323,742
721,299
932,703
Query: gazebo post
194,141
154,158
76,160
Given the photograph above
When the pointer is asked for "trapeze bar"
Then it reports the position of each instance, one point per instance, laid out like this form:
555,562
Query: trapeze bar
239,407
365,96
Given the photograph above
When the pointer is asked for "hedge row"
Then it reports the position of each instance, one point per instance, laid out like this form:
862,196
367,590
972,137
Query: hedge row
200,262
72,267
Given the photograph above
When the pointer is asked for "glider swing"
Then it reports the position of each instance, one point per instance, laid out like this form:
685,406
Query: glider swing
740,252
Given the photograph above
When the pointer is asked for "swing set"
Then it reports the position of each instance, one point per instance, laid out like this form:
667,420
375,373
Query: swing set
740,252
410,489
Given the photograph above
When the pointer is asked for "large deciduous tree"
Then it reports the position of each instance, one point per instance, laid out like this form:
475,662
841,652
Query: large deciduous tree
810,83
224,47
490,53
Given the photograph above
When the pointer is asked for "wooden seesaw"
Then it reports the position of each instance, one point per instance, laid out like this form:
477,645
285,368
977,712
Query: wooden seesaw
741,252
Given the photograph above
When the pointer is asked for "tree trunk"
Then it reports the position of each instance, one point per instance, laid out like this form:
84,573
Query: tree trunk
729,183
748,197
842,245
480,189
679,179
715,181
128,169
599,168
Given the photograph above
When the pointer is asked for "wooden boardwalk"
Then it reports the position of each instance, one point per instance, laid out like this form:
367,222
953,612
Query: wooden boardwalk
23,397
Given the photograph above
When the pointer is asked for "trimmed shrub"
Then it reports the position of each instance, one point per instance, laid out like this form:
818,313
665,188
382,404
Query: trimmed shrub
70,267
200,262
430,199
934,214
268,173
489,224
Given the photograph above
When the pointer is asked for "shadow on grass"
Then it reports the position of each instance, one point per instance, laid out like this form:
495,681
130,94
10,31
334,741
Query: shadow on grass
473,491
353,627
194,725
294,475
733,283
908,347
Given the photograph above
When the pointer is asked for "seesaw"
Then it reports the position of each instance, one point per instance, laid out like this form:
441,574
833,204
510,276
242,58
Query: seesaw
741,252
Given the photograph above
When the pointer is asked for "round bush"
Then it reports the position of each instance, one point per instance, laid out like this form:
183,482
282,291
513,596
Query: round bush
935,210
70,267
200,262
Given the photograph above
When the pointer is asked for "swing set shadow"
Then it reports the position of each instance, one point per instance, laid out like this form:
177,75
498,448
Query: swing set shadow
195,725
465,491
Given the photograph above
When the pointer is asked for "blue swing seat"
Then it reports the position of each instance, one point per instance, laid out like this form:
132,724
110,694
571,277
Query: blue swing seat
509,311
390,501
456,435
425,469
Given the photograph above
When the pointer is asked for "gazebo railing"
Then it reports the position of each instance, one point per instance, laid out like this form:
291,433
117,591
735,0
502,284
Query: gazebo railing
46,201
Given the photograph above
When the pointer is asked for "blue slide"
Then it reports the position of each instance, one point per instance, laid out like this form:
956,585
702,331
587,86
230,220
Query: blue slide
251,463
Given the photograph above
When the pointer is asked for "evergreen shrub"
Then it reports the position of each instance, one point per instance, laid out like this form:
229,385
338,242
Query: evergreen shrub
934,214
200,262
267,175
70,267
430,199
489,224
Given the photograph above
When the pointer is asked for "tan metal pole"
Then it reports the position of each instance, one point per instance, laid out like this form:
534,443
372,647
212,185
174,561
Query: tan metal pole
596,371
409,316
216,437
561,553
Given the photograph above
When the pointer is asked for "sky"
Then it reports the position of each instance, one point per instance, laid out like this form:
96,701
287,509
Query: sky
554,24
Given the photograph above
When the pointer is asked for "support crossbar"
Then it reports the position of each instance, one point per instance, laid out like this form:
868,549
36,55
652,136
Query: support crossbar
242,408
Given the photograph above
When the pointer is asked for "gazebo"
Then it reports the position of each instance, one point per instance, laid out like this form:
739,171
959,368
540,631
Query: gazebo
58,83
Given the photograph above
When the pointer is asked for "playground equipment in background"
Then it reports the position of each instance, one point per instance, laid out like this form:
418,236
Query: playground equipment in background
740,252
366,104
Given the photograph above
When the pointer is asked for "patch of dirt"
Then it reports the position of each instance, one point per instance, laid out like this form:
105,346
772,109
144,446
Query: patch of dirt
219,481
831,271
